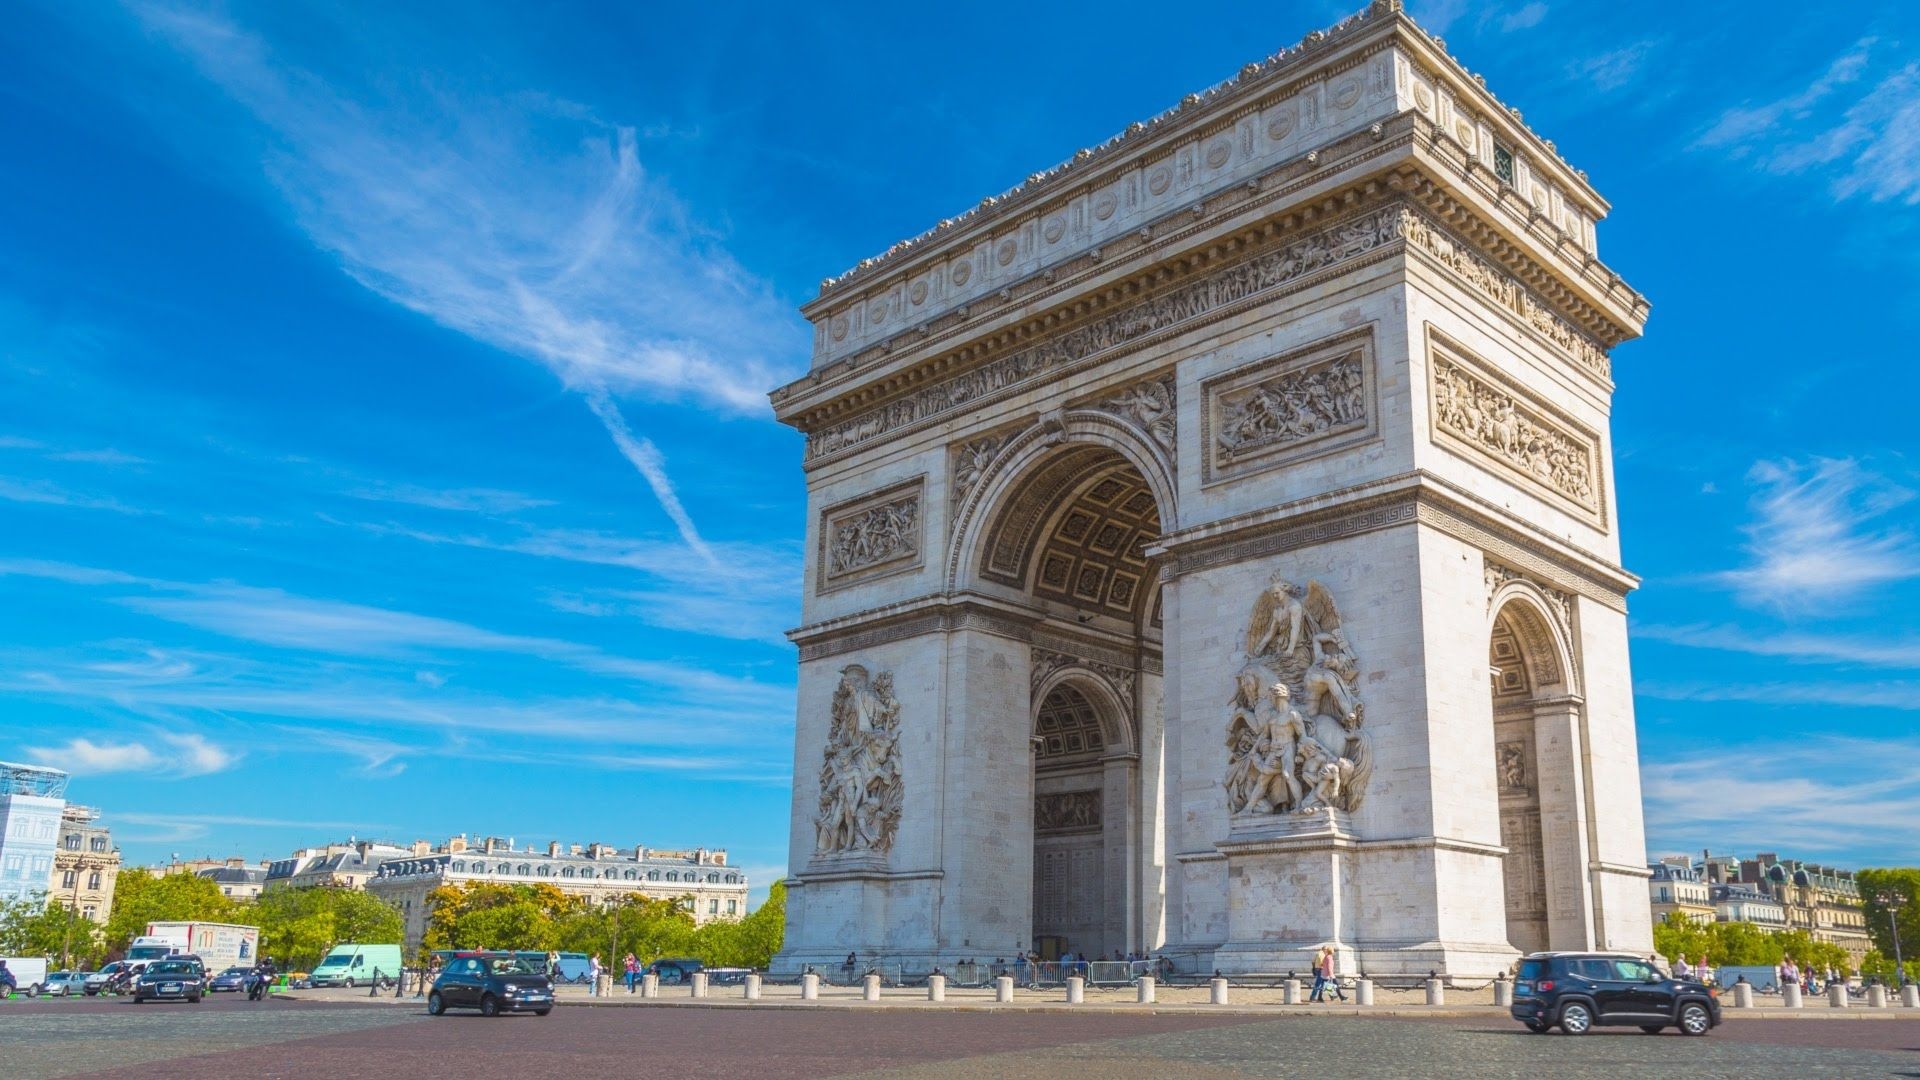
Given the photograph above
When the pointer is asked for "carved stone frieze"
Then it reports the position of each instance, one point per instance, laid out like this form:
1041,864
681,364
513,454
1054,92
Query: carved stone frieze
1504,425
1258,416
1307,254
1497,285
1065,811
876,533
1150,407
860,789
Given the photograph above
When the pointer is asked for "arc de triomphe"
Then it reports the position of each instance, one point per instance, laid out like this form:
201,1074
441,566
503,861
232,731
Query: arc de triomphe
1212,548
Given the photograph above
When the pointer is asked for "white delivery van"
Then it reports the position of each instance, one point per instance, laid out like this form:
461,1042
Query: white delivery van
356,965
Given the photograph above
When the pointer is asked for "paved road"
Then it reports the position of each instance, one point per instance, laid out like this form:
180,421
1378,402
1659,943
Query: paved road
227,1037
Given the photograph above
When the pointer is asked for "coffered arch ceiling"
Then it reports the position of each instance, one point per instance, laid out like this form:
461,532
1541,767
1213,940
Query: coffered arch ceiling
1076,534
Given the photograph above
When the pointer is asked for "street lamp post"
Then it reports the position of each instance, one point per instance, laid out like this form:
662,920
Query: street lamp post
1892,902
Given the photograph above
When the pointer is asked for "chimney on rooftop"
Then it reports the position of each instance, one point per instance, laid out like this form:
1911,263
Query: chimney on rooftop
553,848
457,844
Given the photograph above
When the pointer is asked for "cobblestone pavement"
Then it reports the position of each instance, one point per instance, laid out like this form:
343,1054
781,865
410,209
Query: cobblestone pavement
228,1037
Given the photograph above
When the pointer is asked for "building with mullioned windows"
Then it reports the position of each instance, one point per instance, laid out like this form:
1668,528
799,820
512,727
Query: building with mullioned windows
85,865
699,879
32,798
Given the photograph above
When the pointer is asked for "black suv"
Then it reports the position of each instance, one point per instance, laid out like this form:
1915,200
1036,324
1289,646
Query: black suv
1578,990
491,983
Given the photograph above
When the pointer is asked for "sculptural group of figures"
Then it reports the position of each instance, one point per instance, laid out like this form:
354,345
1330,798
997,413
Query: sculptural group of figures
1490,417
882,533
1294,734
1296,406
860,792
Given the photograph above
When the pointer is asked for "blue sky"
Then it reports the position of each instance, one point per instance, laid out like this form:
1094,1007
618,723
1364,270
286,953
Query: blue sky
383,447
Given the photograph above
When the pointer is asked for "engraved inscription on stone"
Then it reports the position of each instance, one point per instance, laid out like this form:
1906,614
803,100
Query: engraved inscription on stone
1513,432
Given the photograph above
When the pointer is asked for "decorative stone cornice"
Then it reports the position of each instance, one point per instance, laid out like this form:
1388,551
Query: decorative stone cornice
1203,110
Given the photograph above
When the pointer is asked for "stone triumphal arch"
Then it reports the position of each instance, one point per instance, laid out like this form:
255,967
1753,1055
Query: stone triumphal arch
1212,549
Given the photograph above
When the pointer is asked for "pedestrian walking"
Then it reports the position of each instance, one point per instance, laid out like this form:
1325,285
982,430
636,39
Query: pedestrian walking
593,976
1324,976
633,971
1681,969
1703,970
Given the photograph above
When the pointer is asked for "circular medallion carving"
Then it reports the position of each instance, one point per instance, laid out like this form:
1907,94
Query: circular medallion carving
1346,92
1219,153
1054,229
877,314
918,294
1422,98
1007,250
1281,125
1104,206
962,273
838,328
1159,180
1464,132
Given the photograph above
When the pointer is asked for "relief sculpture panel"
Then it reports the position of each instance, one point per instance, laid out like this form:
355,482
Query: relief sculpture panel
860,791
1505,427
875,534
1286,407
1280,759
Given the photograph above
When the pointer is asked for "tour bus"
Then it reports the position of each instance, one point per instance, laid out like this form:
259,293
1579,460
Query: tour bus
356,965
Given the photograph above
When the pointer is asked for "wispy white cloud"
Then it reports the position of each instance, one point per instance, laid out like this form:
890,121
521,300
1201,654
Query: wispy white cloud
1819,534
173,753
1614,68
1823,798
1900,695
1808,647
525,222
50,494
287,621
172,828
1524,17
1858,125
464,500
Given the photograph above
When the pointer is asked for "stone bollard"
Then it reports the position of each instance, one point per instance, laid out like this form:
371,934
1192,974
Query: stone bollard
751,988
1876,996
1436,992
1743,995
649,985
1837,995
1290,992
1144,990
697,984
1910,995
1790,995
1363,991
1218,988
809,987
1076,990
1502,992
870,988
1003,989
936,988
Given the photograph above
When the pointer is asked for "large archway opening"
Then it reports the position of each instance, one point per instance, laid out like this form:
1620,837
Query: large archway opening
1516,767
1069,543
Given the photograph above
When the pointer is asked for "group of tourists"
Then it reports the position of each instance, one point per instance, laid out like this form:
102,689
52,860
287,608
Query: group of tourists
1699,970
1808,979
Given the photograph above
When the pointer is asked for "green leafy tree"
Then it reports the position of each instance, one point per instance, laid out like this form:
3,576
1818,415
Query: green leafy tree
141,897
1879,965
1901,885
298,926
33,927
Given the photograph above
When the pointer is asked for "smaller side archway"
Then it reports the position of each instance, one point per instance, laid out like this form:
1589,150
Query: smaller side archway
1083,815
1542,769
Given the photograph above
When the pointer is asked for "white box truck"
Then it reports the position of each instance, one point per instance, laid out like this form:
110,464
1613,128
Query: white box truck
218,945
